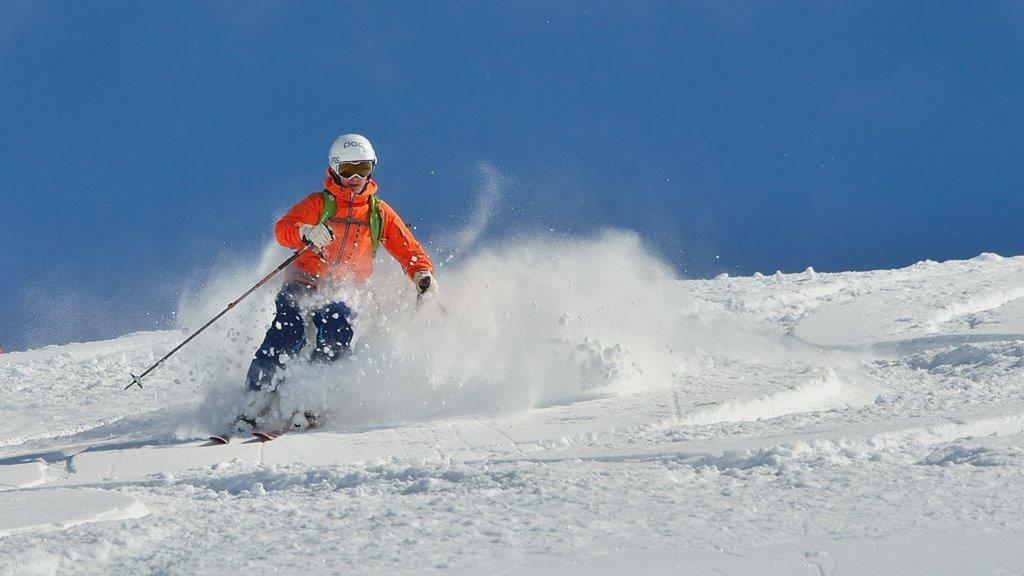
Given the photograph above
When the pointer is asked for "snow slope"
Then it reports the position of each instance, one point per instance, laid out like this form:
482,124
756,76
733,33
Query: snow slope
592,414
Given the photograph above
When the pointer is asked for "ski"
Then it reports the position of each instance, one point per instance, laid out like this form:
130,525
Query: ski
261,435
269,435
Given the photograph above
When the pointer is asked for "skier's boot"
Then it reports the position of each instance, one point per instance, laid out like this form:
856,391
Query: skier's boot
303,420
243,425
261,398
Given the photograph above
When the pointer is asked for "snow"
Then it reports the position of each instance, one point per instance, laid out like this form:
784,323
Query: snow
22,475
578,410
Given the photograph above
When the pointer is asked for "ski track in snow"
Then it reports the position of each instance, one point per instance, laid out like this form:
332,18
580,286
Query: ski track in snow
852,423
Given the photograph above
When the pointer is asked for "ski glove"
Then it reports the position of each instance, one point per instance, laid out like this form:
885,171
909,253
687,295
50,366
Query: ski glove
426,284
319,235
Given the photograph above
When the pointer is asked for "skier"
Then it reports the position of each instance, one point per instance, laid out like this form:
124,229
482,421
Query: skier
344,224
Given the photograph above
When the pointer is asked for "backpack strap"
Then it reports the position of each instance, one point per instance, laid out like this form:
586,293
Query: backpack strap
376,223
330,207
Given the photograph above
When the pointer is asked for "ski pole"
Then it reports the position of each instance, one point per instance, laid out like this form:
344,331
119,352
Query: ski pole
420,299
137,380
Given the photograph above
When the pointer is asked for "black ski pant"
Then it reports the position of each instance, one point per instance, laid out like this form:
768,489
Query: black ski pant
287,334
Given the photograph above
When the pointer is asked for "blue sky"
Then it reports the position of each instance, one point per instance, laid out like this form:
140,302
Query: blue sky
143,142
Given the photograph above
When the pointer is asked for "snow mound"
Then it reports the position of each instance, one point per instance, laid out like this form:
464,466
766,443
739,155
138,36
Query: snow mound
818,393
58,508
249,480
983,298
959,454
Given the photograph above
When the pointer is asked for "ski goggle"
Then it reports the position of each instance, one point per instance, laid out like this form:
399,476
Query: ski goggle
350,169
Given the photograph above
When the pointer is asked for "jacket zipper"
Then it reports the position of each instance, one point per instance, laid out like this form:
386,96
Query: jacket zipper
348,224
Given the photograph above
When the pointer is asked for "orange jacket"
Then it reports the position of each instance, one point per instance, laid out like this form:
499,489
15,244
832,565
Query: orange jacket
350,255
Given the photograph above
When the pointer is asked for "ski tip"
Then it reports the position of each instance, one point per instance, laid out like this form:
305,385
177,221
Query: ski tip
268,436
220,439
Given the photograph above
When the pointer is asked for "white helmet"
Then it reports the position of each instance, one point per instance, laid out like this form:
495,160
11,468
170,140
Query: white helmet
351,148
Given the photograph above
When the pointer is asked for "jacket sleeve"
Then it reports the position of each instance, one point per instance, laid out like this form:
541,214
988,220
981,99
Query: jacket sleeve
400,243
305,212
